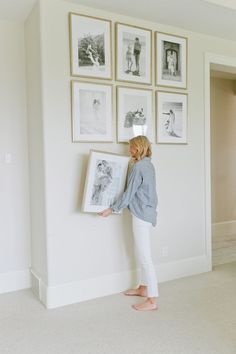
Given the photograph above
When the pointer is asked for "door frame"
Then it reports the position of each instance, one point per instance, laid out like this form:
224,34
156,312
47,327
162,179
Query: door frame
210,58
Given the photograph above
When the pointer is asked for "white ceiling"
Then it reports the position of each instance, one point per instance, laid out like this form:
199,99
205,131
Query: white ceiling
223,72
214,17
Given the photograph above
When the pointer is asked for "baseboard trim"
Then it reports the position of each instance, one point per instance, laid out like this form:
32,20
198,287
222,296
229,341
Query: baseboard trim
183,268
88,289
224,228
13,281
65,294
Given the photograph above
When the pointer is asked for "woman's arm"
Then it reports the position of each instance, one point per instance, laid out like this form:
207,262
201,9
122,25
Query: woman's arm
134,181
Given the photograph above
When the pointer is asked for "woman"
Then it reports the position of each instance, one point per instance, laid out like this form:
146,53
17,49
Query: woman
141,199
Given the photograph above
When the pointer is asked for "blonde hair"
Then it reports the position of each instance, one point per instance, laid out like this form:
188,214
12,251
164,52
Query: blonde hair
143,146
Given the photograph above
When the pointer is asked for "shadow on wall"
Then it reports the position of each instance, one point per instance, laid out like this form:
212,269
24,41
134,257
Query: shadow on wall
81,186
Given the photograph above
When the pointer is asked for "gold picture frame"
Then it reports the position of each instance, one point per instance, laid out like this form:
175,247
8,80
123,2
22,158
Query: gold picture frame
133,54
171,60
171,117
91,111
105,180
90,41
135,113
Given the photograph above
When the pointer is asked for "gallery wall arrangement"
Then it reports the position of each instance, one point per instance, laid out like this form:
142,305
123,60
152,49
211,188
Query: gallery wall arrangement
153,111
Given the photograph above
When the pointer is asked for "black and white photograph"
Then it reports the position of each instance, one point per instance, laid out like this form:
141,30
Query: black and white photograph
133,53
105,180
90,42
171,57
91,112
171,118
134,113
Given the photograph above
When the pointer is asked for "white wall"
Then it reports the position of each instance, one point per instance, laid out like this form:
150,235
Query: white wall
223,145
14,193
36,144
89,256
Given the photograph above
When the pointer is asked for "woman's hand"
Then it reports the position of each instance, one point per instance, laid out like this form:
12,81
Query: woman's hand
106,212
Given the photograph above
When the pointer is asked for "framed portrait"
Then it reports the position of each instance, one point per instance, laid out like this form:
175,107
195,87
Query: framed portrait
171,60
134,113
133,54
105,180
171,117
91,112
90,46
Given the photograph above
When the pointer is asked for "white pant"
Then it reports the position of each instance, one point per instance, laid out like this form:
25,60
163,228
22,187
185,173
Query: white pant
141,232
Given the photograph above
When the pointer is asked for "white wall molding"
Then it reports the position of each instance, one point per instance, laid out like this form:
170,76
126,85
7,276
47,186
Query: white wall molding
69,293
183,268
12,281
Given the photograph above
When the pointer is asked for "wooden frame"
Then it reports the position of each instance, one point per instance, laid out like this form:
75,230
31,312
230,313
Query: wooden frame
91,111
133,54
172,112
105,180
135,113
171,60
90,46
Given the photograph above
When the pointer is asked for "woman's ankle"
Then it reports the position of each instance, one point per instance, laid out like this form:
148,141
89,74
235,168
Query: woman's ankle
142,287
152,300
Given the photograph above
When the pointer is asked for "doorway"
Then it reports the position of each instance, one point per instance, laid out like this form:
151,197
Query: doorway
220,148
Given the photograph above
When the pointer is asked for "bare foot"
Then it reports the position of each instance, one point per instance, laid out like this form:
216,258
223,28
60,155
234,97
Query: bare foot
146,306
136,292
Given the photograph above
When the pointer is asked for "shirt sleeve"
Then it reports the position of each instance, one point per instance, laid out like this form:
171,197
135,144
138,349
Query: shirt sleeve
134,182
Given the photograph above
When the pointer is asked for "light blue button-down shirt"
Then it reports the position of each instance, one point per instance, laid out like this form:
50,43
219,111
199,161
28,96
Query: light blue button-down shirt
140,196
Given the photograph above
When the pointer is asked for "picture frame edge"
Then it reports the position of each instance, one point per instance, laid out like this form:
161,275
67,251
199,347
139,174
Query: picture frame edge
110,77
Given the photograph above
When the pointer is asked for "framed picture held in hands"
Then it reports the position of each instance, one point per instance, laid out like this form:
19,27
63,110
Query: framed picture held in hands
105,180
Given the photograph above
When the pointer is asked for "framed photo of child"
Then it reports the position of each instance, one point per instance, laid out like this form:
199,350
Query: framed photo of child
133,54
171,60
90,46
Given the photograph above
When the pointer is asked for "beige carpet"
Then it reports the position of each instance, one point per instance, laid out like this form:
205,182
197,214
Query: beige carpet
197,315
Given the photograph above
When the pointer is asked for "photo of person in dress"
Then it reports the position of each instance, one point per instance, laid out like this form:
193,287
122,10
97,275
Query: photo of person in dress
171,61
170,123
172,119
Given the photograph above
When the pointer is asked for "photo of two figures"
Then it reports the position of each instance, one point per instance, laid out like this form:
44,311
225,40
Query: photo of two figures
134,52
